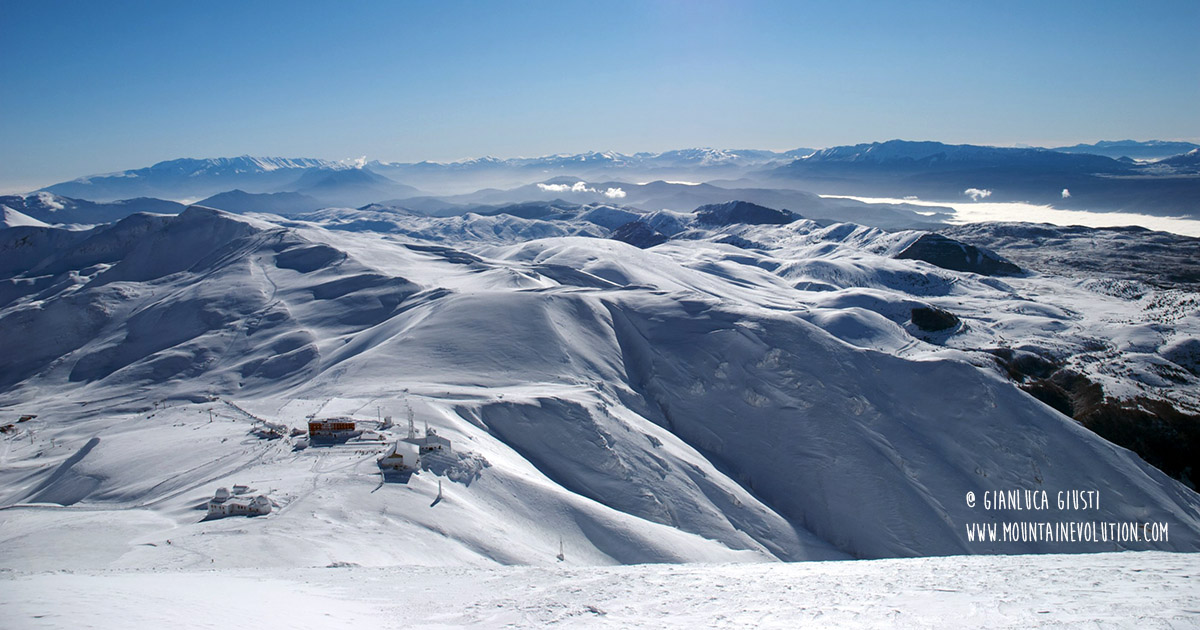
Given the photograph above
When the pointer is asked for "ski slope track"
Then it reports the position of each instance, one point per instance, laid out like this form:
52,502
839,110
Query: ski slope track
742,392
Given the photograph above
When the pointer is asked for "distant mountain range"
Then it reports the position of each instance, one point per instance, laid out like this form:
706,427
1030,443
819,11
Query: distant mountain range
681,158
1066,178
943,172
489,172
328,182
1147,150
936,156
193,178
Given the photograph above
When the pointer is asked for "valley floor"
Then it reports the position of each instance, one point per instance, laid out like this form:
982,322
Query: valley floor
1129,589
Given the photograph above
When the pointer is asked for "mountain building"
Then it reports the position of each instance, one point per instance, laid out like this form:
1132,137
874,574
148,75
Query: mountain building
225,503
401,456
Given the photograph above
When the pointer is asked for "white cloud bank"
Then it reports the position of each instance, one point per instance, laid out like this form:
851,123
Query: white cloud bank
1014,211
578,187
582,187
977,193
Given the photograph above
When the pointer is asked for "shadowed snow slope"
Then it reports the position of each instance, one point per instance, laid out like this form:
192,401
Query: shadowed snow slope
695,401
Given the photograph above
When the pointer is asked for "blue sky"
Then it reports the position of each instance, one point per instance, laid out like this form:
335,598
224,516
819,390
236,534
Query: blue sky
93,87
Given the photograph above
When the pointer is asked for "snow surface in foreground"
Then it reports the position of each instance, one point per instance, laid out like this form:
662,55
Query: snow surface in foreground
1134,590
983,211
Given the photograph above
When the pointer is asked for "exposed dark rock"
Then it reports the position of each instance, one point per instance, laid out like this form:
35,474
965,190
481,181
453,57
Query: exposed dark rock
932,319
1067,391
733,212
1162,435
737,241
1165,437
1021,364
447,253
542,210
639,234
948,253
1053,395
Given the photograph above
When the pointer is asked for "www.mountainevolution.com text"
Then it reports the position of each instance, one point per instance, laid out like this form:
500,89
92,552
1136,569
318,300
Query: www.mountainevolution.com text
1068,532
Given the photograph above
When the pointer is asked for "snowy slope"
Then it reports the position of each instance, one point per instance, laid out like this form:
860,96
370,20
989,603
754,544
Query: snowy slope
1142,590
696,401
14,218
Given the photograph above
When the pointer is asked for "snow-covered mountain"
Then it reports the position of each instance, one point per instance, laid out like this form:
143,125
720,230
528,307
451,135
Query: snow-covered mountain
939,156
941,172
14,218
1186,162
1138,150
745,390
193,178
702,157
707,157
896,169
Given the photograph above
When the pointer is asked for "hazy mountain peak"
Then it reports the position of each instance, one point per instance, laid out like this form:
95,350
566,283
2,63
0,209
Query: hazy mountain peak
193,167
1136,149
191,178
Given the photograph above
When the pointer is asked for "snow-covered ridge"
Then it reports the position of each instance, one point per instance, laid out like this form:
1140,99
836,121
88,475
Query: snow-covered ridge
191,179
1138,150
197,167
701,157
14,218
894,151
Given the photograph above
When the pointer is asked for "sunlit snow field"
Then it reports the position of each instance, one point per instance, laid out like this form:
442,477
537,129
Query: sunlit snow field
1112,590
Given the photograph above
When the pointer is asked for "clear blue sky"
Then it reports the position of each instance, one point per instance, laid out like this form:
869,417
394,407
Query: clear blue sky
92,87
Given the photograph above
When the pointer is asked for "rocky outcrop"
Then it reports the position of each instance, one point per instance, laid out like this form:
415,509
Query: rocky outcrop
948,253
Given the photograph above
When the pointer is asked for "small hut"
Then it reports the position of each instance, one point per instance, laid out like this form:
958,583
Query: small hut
401,456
